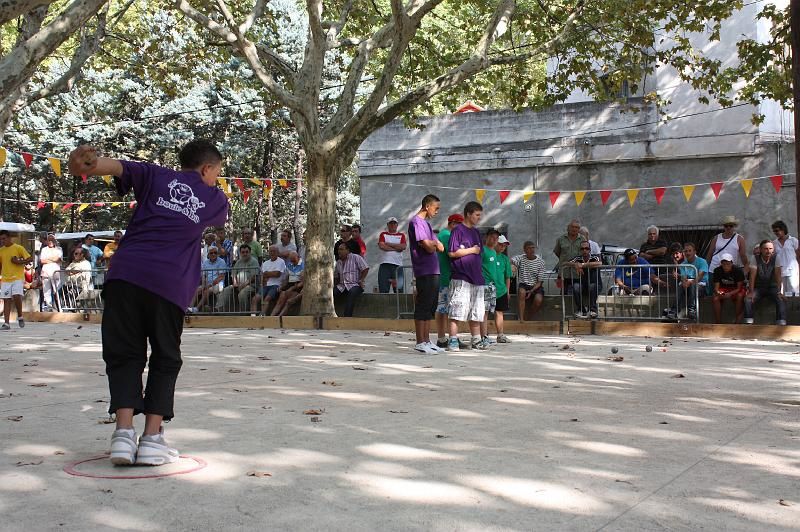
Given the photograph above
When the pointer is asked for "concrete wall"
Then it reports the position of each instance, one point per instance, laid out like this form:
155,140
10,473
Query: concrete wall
584,146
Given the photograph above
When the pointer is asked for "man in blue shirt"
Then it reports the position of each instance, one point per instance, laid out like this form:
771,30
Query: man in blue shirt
95,254
632,275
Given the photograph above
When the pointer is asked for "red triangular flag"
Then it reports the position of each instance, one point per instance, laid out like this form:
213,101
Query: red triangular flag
28,158
99,204
659,194
131,205
553,198
503,195
777,182
84,178
67,206
604,195
268,183
239,183
246,195
717,188
40,205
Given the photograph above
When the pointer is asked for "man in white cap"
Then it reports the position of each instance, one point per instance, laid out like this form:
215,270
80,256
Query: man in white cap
503,284
728,286
728,241
392,244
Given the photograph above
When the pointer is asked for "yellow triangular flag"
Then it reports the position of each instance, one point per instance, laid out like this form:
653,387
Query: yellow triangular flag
55,205
747,184
256,181
479,193
116,204
107,179
527,196
83,206
226,186
283,183
266,192
579,197
55,164
688,190
632,194
2,156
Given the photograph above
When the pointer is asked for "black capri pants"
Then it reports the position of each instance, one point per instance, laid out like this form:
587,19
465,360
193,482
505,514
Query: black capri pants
427,297
132,316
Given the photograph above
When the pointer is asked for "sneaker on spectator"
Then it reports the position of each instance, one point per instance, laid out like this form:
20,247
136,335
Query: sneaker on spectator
454,344
442,343
5,327
748,321
191,310
424,347
462,345
153,450
488,340
580,315
123,447
436,348
593,314
780,322
21,323
503,339
480,345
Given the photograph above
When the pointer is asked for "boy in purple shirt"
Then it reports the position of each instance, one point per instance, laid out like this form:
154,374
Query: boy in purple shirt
149,285
424,246
466,279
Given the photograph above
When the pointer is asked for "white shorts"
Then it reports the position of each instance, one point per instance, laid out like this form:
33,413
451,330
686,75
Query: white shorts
466,301
444,300
791,284
11,288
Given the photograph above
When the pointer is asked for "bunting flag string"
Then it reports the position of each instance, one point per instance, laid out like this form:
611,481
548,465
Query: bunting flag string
553,198
688,190
479,193
777,182
604,195
504,195
717,188
526,196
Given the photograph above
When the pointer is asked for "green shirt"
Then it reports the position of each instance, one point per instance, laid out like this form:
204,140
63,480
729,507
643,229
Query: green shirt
569,249
489,265
255,249
503,274
243,271
444,259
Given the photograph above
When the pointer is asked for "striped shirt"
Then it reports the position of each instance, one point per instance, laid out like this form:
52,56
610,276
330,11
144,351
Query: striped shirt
348,271
529,271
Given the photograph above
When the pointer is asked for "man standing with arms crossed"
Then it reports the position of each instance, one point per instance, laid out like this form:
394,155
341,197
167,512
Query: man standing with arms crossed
466,283
424,246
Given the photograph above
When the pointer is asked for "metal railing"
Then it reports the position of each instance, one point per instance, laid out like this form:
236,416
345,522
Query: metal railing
79,290
647,293
230,291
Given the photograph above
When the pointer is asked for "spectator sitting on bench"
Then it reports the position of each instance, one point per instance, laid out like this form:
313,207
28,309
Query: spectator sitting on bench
728,286
528,268
212,279
291,290
765,282
272,270
632,281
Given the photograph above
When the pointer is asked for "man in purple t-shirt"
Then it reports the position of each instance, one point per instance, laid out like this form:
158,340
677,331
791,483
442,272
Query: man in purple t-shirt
425,262
466,279
149,285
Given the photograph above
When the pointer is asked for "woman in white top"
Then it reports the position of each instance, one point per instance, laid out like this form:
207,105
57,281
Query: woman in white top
729,241
78,276
787,251
51,257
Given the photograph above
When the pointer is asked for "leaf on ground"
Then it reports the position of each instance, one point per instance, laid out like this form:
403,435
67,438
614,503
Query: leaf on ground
678,376
31,365
359,368
240,391
59,453
616,359
315,419
398,411
106,421
313,412
387,334
14,418
663,423
331,383
368,360
258,474
32,462
427,367
783,503
442,436
565,347
574,419
234,370
264,358
38,385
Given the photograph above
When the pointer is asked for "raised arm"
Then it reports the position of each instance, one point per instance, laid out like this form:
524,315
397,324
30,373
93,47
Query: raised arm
84,161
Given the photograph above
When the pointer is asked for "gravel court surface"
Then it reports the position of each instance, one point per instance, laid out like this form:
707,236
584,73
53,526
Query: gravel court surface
316,430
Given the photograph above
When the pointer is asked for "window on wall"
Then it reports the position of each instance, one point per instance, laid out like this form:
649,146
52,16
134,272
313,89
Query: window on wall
700,235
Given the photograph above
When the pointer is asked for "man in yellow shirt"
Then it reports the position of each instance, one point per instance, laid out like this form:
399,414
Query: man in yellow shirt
111,247
13,259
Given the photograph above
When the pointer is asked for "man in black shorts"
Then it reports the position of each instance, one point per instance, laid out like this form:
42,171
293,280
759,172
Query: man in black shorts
424,245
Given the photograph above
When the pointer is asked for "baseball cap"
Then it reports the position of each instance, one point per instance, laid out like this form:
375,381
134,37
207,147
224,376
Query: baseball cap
391,219
726,257
503,240
629,252
455,218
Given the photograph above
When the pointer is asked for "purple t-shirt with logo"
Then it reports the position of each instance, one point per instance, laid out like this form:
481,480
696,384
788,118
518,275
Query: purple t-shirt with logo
159,251
424,263
466,268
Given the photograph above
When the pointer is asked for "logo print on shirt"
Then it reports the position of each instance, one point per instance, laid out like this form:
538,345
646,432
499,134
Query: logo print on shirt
182,200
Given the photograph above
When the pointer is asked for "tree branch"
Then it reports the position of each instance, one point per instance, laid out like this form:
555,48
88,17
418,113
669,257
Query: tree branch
255,14
11,9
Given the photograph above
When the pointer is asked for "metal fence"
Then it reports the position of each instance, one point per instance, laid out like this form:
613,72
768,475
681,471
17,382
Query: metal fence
631,292
234,291
78,290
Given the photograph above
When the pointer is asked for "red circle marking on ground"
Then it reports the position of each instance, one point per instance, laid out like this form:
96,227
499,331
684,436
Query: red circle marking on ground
70,469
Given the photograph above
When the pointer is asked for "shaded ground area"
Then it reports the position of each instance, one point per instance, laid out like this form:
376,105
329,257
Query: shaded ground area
545,433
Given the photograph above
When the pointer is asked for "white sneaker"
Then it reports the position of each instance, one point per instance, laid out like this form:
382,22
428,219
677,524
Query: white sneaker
425,348
123,447
436,348
21,323
153,450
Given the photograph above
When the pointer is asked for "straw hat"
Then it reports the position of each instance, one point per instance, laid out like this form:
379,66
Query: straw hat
730,220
